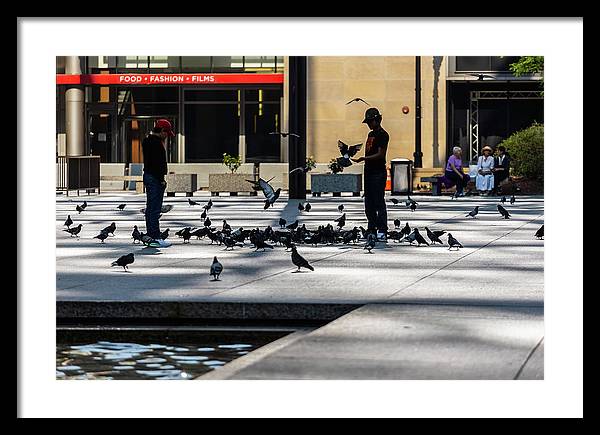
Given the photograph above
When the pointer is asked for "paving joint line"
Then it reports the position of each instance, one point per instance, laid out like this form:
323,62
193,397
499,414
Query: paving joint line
528,358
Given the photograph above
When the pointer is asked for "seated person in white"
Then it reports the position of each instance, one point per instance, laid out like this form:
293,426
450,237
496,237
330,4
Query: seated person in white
484,182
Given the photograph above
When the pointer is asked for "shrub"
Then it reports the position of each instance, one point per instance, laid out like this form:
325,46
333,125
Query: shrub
334,166
232,162
526,149
311,163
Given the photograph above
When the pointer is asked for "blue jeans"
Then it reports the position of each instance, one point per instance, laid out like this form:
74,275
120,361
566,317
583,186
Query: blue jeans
375,208
154,199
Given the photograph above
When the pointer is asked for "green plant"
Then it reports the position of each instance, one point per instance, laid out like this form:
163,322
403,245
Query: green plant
526,150
529,65
232,162
311,163
334,166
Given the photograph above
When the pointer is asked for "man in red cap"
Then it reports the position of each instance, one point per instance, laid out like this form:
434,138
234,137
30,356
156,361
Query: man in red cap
155,169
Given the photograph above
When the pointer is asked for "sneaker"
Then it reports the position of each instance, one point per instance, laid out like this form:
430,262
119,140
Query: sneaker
381,237
163,243
152,243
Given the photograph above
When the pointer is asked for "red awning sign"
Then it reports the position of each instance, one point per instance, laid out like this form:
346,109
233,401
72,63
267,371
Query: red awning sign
166,79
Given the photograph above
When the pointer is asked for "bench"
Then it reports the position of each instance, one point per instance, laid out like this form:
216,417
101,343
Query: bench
137,179
436,183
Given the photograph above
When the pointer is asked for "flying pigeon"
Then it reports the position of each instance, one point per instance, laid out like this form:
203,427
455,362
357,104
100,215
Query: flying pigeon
121,206
452,242
300,261
256,184
74,231
123,261
474,212
270,194
215,269
505,214
357,99
282,134
68,222
540,232
347,152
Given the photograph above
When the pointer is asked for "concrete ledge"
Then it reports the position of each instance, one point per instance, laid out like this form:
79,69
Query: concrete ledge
201,310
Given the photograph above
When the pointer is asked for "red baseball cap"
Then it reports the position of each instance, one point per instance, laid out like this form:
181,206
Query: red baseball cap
165,125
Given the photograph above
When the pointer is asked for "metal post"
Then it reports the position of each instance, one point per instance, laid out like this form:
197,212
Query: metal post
74,110
418,155
297,124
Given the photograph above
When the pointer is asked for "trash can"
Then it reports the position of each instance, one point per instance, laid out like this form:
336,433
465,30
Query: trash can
401,175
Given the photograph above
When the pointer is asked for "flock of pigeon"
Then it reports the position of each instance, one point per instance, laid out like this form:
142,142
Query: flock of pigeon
288,235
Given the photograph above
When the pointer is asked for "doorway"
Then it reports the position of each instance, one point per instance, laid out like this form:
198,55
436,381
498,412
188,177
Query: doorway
133,132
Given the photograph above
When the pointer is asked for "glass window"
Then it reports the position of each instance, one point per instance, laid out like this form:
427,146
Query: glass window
260,120
472,63
261,95
502,63
60,64
230,95
191,64
154,109
224,64
210,131
159,94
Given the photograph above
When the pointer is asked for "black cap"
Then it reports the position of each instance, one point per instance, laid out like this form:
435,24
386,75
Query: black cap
371,113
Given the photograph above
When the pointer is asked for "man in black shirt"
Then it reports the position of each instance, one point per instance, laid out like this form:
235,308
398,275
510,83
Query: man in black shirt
501,167
375,174
155,169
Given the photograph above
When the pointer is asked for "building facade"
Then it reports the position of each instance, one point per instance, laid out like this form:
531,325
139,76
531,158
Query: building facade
231,104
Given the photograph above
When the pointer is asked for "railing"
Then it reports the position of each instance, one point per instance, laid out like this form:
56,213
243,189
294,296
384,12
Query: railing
77,173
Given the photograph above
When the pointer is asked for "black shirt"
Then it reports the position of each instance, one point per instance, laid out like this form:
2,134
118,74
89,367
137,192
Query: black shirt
377,139
155,156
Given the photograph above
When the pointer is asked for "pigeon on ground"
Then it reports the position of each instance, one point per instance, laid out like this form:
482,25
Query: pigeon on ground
405,231
230,243
341,221
102,236
123,261
136,235
165,234
208,205
307,207
192,202
505,214
473,212
74,231
410,201
226,226
371,242
434,236
261,244
270,194
540,233
453,243
203,215
397,223
121,206
166,208
300,207
84,205
186,234
292,226
394,201
347,152
357,99
512,199
419,238
503,199
110,229
68,222
413,206
300,261
79,209
282,222
341,208
207,222
215,269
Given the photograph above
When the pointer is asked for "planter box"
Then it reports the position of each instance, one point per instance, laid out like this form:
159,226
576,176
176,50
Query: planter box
232,183
336,184
185,183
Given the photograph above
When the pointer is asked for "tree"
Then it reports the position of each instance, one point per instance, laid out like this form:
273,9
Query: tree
529,65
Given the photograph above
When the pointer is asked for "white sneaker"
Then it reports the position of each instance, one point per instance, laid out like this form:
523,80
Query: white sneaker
163,243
